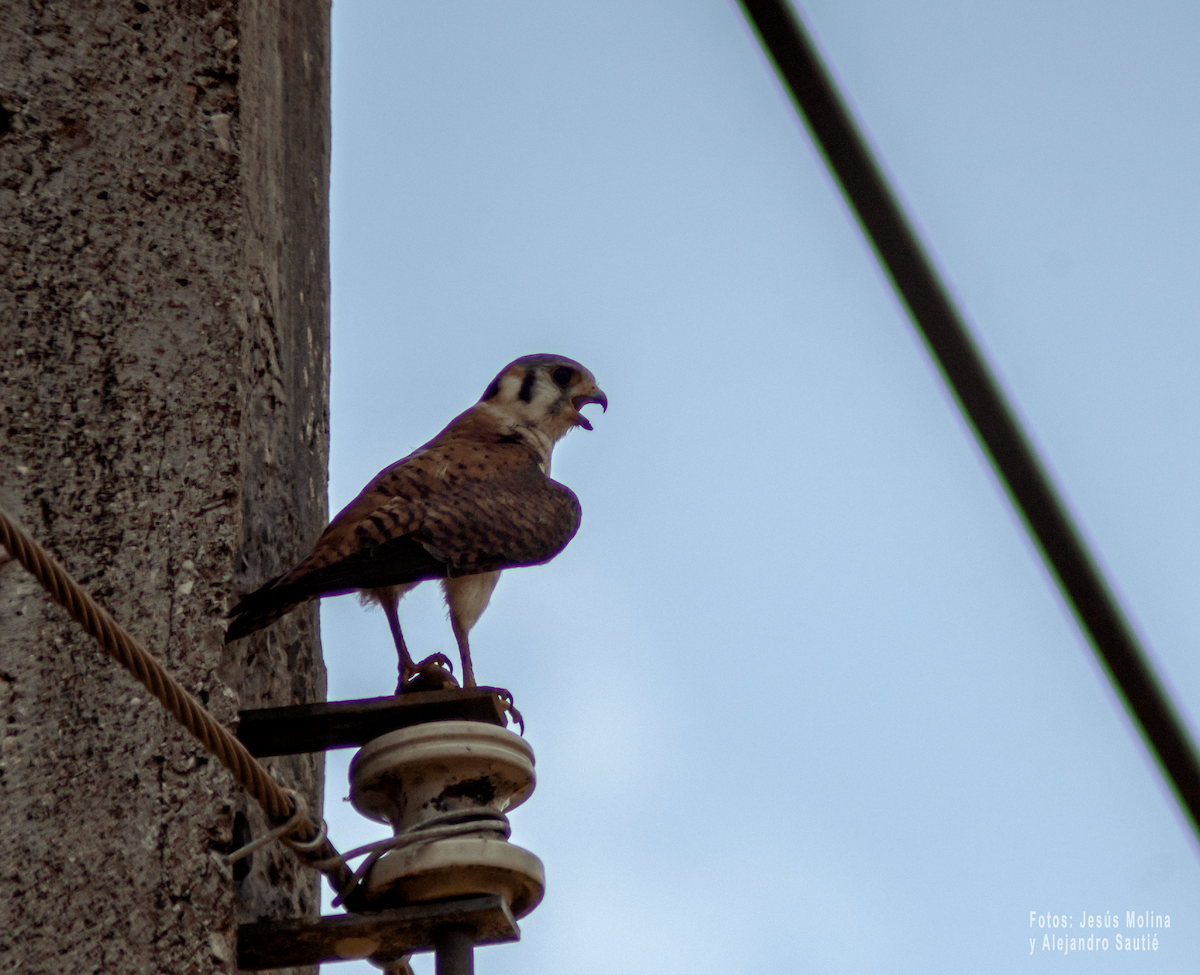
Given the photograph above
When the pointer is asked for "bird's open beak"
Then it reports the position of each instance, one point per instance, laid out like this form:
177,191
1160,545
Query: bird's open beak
582,399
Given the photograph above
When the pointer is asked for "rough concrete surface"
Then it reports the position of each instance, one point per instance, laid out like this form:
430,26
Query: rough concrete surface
163,430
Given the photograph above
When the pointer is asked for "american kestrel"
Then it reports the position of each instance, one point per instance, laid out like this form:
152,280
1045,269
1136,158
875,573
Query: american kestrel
473,501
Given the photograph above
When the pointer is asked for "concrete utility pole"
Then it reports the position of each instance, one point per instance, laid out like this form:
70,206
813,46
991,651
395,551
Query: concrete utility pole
164,360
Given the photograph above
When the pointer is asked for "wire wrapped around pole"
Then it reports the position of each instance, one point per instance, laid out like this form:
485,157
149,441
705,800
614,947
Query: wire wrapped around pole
186,709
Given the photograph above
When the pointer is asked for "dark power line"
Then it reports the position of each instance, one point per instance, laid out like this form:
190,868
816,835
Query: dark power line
943,328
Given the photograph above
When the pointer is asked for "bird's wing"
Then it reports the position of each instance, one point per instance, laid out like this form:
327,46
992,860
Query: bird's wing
447,510
521,518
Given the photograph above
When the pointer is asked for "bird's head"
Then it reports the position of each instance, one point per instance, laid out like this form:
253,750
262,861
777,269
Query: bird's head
542,395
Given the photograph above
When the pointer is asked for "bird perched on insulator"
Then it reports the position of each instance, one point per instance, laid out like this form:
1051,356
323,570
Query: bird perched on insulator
475,500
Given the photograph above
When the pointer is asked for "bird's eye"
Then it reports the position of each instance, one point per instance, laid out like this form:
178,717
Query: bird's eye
562,376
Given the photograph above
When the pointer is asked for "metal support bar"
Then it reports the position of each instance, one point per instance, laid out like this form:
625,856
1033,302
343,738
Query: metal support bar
979,395
455,952
443,927
344,724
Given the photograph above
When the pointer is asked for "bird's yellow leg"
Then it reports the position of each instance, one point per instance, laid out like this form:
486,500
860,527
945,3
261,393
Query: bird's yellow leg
407,668
464,652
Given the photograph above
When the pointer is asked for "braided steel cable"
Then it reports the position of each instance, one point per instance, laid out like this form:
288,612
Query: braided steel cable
189,712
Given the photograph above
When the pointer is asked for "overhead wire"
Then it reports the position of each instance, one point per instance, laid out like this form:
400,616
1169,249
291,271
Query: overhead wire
883,220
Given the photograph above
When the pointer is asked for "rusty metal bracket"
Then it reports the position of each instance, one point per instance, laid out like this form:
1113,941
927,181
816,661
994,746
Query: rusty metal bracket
450,928
346,724
382,938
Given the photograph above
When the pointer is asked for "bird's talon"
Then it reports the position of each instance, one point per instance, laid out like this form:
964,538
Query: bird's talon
428,675
506,705
432,661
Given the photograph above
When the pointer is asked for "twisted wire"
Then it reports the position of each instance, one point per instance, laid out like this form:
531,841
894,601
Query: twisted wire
189,712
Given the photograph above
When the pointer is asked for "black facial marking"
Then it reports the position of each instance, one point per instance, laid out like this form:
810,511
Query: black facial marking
526,393
492,390
510,438
562,376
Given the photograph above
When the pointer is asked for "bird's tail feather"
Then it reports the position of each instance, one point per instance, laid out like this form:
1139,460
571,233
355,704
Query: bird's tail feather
261,608
271,602
246,623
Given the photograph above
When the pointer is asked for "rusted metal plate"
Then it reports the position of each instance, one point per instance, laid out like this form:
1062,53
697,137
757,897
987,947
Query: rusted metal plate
345,724
384,936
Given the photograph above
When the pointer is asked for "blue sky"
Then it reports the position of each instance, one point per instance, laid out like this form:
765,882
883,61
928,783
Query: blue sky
802,695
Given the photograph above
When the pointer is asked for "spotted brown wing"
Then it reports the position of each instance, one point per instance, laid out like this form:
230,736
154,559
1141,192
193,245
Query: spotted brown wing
517,518
521,518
